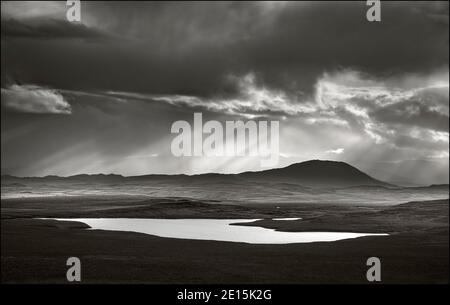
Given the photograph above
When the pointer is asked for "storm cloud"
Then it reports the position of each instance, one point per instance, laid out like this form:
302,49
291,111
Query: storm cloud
192,49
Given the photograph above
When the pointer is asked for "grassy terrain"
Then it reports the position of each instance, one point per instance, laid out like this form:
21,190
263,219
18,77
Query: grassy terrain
35,251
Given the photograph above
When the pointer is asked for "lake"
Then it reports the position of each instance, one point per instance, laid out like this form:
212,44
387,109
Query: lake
213,229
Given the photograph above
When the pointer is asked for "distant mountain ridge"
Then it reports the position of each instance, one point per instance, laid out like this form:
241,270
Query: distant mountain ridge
308,173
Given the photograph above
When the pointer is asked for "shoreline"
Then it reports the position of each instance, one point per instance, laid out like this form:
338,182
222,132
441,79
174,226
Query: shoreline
34,251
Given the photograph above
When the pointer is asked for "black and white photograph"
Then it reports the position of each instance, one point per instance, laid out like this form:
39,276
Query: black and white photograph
224,143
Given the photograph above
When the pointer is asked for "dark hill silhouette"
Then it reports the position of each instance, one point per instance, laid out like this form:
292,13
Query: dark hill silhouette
317,172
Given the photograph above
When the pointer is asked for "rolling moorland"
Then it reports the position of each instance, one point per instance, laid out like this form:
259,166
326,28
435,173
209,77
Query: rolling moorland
328,196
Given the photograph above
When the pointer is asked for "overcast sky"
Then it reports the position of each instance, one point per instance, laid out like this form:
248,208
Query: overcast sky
100,96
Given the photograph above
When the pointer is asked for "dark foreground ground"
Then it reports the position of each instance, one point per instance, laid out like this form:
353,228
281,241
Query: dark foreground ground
35,251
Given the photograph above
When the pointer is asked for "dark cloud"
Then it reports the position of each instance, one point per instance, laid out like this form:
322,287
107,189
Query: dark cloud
49,29
422,142
191,49
412,113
